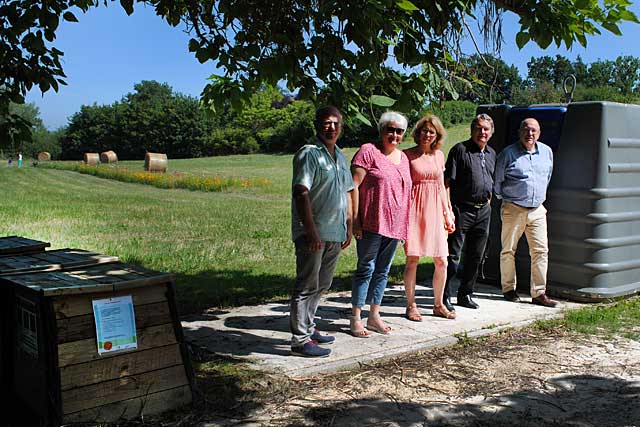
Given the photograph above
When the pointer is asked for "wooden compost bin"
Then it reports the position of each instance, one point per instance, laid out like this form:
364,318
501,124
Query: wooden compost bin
15,245
59,373
11,246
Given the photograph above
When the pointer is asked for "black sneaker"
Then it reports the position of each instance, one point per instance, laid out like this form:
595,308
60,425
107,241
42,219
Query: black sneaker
322,339
310,349
511,296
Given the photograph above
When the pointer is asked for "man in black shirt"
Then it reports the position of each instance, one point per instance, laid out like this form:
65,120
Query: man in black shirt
469,176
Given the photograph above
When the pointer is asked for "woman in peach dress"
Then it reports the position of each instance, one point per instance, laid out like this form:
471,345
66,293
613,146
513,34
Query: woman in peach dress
430,216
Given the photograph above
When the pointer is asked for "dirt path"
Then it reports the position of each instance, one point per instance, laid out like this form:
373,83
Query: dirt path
518,378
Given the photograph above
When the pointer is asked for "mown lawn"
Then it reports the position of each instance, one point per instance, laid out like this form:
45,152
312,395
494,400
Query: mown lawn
227,248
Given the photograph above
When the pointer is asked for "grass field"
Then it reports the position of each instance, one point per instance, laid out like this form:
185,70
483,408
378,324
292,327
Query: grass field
226,248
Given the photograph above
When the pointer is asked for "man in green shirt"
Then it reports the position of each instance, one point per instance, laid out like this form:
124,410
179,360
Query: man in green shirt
320,226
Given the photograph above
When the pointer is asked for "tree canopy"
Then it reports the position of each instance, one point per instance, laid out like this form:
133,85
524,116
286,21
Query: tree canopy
408,50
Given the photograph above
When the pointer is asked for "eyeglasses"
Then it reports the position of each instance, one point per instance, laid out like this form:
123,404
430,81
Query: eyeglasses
391,129
428,131
327,124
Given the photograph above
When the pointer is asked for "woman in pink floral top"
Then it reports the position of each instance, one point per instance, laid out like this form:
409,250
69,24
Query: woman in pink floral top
381,203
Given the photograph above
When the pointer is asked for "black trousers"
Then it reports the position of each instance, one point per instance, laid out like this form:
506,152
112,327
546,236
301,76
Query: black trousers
469,241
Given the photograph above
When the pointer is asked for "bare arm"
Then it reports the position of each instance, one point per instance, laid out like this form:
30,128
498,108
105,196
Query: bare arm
303,207
347,242
358,174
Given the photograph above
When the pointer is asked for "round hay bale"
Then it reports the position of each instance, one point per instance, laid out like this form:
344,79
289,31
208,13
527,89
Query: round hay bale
108,157
155,162
44,156
91,158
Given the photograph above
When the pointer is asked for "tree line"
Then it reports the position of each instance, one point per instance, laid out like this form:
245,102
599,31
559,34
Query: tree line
154,118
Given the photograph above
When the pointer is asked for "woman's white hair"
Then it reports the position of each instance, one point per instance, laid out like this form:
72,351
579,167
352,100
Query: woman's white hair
392,116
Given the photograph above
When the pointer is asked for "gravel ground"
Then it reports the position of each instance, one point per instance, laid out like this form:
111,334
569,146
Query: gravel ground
516,378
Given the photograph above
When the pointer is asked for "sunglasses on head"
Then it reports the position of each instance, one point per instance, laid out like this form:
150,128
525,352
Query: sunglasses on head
397,131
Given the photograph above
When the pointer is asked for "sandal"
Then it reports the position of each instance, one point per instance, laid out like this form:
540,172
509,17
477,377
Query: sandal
358,332
385,330
412,313
441,311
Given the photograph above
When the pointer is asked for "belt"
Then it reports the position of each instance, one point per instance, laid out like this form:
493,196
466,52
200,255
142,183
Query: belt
476,205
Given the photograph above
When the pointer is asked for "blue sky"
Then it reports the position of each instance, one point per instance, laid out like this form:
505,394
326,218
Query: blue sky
107,52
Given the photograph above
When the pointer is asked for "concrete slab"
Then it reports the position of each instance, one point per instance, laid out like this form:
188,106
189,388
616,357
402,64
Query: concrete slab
261,334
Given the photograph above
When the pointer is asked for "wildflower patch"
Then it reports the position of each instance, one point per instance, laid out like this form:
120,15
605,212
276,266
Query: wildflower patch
161,180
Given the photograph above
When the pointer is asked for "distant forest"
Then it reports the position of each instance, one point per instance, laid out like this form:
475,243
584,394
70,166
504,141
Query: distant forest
154,118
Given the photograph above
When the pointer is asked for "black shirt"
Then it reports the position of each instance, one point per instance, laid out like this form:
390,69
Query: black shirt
470,172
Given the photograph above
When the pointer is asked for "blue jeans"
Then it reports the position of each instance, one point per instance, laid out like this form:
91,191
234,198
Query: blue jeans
375,255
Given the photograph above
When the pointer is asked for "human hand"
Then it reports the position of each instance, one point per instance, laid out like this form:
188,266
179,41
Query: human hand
347,242
449,222
357,229
314,242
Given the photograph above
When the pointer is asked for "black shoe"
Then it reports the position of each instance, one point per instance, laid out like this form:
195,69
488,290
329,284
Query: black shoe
511,296
467,302
447,303
322,339
310,349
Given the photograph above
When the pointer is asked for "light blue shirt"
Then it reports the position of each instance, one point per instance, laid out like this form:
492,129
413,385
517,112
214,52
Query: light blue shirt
522,177
328,182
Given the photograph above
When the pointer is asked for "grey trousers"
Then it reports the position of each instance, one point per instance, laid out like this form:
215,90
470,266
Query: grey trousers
314,274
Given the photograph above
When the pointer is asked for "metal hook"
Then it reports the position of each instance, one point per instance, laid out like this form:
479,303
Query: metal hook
568,94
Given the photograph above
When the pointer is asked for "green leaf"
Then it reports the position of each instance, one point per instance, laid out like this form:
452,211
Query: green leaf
193,45
68,16
613,28
627,15
382,101
522,39
406,5
582,4
358,116
127,5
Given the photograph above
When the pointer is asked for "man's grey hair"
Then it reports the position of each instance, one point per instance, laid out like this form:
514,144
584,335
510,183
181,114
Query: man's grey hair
392,116
482,118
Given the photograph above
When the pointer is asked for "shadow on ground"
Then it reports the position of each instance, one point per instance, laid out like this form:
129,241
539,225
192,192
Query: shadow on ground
579,400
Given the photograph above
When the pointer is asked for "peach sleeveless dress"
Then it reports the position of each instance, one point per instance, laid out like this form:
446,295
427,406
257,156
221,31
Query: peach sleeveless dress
427,235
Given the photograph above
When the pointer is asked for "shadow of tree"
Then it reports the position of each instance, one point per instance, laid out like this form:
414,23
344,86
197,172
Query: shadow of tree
578,400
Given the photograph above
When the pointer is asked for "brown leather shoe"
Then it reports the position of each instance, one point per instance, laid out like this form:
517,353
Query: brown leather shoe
544,300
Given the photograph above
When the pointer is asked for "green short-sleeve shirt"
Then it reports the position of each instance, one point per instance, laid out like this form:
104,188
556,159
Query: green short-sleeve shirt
328,182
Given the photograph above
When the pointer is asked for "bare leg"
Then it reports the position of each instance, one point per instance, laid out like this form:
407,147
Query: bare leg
439,278
375,322
410,269
355,323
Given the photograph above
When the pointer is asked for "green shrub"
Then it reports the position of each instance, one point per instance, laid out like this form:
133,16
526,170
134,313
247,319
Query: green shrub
453,112
231,140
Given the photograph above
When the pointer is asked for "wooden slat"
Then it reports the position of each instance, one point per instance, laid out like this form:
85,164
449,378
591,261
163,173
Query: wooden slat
12,245
126,364
86,350
98,278
77,305
133,408
94,395
52,261
83,327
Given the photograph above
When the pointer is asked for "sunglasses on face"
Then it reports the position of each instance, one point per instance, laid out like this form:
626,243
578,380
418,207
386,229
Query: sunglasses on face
397,131
327,124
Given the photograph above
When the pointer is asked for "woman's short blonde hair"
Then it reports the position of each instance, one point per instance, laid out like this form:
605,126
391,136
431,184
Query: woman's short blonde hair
434,121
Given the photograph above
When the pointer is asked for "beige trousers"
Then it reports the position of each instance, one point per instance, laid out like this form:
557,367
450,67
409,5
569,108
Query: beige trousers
533,223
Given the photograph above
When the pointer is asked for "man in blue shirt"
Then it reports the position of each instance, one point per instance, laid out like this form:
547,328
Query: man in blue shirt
523,172
320,227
